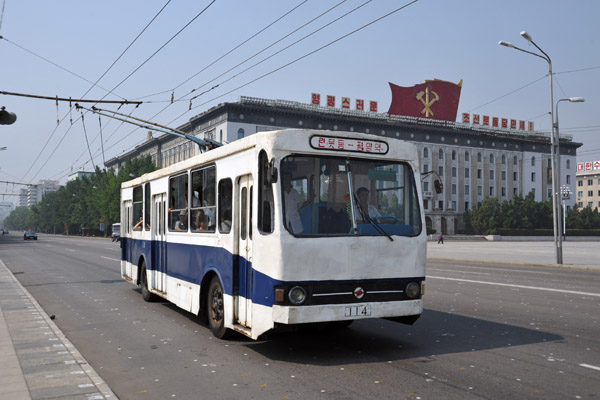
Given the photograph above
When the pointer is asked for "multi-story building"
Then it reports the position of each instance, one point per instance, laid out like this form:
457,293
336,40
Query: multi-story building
36,192
472,161
78,175
588,188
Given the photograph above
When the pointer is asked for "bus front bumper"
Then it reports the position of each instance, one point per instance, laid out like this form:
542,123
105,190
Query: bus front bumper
340,312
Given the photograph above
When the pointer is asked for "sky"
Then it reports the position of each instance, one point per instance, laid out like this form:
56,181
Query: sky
62,48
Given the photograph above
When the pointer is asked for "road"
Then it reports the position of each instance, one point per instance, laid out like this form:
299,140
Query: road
488,332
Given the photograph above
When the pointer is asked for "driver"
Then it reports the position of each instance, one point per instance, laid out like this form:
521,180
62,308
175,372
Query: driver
363,211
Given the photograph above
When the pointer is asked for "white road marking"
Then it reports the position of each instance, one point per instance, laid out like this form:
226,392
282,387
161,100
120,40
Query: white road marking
590,366
506,269
70,250
517,286
458,271
108,258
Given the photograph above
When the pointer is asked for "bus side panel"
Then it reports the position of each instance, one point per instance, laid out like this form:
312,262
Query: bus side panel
191,262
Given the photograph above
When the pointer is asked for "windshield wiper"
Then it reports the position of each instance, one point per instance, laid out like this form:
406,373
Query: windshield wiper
369,220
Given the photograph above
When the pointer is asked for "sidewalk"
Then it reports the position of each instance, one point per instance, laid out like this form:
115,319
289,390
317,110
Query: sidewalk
576,255
37,361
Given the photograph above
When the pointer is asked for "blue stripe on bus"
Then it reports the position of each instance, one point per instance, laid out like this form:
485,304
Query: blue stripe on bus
191,262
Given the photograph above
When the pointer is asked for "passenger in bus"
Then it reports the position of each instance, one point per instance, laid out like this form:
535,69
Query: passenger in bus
209,202
293,206
138,226
225,221
181,224
363,211
202,221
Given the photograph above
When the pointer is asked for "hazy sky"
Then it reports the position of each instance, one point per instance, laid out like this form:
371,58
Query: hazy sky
449,40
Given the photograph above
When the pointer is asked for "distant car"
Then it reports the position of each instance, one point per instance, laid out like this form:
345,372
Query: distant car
30,235
116,232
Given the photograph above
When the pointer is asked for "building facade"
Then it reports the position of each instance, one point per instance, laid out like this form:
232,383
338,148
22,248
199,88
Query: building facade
588,189
472,162
34,193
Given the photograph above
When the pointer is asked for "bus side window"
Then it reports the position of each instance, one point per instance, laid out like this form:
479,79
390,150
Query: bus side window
265,196
147,206
178,207
138,204
225,205
203,205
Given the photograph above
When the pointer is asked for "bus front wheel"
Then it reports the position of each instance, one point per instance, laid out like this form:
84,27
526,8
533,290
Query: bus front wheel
216,309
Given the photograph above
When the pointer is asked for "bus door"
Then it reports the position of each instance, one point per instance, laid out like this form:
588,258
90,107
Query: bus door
158,278
243,270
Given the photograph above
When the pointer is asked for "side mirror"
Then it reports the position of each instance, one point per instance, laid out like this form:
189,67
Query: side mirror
438,186
271,172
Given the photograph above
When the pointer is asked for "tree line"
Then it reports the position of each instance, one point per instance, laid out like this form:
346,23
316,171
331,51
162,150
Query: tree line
526,215
80,205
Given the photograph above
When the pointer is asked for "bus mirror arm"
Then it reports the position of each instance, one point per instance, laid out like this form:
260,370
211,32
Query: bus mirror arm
272,172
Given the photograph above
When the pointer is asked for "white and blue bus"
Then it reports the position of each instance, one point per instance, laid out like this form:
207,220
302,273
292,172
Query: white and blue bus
281,228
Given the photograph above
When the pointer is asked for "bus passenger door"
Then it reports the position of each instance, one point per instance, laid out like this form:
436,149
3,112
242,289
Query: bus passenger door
243,270
158,275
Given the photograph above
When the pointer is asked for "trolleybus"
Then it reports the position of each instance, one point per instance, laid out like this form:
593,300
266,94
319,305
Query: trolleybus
281,228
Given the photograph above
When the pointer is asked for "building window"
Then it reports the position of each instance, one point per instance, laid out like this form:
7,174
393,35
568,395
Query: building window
441,204
579,183
491,190
467,172
478,157
515,160
454,172
533,191
240,133
580,194
590,182
453,155
503,191
454,205
515,191
426,186
441,154
425,168
590,193
549,163
549,193
479,174
479,190
515,176
503,175
467,156
467,190
533,161
466,205
425,152
426,204
533,177
491,158
441,170
590,204
568,179
503,159
568,164
580,204
491,174
454,188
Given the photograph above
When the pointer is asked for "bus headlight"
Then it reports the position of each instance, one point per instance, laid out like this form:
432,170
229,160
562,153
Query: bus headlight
297,295
412,290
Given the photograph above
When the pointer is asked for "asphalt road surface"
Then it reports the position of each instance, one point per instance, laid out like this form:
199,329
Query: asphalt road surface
488,332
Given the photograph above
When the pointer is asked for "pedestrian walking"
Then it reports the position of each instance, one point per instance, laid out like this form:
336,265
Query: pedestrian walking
440,238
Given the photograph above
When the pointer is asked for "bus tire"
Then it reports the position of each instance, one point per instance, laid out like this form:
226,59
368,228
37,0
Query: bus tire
216,309
147,295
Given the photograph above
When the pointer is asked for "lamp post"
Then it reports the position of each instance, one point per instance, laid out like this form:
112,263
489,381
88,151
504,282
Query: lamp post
553,147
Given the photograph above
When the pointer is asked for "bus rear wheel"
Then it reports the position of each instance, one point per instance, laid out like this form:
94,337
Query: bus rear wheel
147,295
216,309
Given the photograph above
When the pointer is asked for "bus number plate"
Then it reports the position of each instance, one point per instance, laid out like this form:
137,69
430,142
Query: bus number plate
358,311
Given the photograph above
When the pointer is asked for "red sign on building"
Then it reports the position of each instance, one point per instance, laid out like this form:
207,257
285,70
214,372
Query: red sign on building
513,124
486,120
346,103
360,104
495,122
466,118
316,99
330,101
588,166
531,125
373,106
476,119
522,125
504,123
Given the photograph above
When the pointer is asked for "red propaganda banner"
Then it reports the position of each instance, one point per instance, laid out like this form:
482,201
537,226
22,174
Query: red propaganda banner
466,118
486,120
522,125
530,125
513,124
495,122
330,101
504,123
373,106
476,119
360,104
588,166
433,99
580,166
346,103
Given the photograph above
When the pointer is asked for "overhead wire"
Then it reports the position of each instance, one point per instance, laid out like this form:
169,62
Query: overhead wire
140,66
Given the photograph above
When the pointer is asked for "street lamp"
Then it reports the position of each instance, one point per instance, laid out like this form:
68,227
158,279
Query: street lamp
554,141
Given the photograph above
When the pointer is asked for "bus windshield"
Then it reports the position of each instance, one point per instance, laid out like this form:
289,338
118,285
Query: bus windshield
345,196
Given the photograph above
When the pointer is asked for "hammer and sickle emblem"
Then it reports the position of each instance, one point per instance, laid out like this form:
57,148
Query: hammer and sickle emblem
426,102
